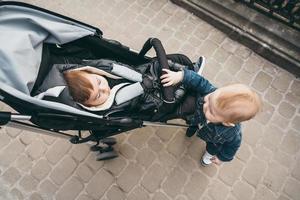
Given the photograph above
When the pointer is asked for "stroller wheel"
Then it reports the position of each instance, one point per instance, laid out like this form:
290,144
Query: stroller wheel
95,148
110,141
107,155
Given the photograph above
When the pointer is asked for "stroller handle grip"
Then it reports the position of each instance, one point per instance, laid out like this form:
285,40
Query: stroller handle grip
168,92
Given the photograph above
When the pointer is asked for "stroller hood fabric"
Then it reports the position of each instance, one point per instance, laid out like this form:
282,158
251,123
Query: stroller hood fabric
22,34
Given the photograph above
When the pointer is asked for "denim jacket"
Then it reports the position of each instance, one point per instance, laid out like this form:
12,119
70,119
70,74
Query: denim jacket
225,140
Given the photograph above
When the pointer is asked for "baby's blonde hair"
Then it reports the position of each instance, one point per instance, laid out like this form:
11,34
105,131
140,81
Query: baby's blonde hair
238,103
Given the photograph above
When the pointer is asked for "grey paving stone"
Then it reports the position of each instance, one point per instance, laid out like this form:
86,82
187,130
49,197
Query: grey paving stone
282,81
280,121
145,157
115,193
128,151
266,114
223,78
92,163
4,138
11,176
286,109
84,172
84,197
139,137
155,144
175,181
230,172
296,122
23,163
160,196
153,178
28,183
292,98
69,190
210,171
218,190
263,152
165,134
296,171
187,164
244,77
295,87
291,142
252,132
196,186
264,193
254,171
79,152
272,137
47,189
138,193
41,169
36,149
230,45
221,55
207,48
178,144
273,96
244,152
63,170
57,150
275,177
283,158
11,152
167,160
115,166
130,177
253,64
211,69
13,132
262,81
243,52
99,184
292,188
202,32
233,64
242,190
35,196
16,194
217,36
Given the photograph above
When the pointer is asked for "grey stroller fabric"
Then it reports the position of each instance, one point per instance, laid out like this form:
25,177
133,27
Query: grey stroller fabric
22,34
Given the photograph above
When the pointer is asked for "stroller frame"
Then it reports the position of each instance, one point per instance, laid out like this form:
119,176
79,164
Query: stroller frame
54,122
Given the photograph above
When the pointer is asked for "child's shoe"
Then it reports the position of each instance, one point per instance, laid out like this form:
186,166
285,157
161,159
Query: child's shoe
205,160
199,65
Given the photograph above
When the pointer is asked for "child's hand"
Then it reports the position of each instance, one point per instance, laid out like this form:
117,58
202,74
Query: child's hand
171,78
216,160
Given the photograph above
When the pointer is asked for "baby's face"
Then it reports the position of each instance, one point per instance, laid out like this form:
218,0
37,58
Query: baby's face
211,111
100,92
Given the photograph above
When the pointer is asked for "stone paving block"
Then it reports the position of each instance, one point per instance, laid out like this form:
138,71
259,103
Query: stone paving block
262,81
13,132
178,144
115,193
218,190
244,153
254,170
130,177
292,188
211,69
16,194
28,183
47,189
69,190
210,171
35,196
221,55
167,160
296,171
292,98
27,137
138,193
223,78
295,87
63,170
173,184
84,173
253,64
172,43
155,144
57,150
280,121
145,157
202,32
230,172
233,64
115,166
36,149
99,184
286,109
275,177
187,164
193,41
266,114
273,96
4,138
84,197
11,176
263,152
196,148
160,196
92,162
230,45
139,137
153,178
41,169
243,190
283,158
252,132
283,197
263,193
207,48
244,77
272,137
296,123
217,36
270,68
157,5
79,152
165,134
243,52
48,139
196,186
282,81
291,142
128,151
11,152
23,163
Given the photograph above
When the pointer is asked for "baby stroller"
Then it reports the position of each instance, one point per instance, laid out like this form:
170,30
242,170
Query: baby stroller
33,40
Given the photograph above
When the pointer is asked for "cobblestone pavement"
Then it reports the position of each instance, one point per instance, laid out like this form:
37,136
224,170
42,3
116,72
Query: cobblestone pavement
160,163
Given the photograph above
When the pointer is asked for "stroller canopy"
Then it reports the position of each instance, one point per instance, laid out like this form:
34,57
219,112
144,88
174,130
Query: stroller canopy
23,30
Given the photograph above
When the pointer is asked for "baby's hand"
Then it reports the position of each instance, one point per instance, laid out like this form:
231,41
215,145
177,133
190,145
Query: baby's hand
171,78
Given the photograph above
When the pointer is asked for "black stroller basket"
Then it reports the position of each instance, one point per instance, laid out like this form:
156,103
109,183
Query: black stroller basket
53,118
